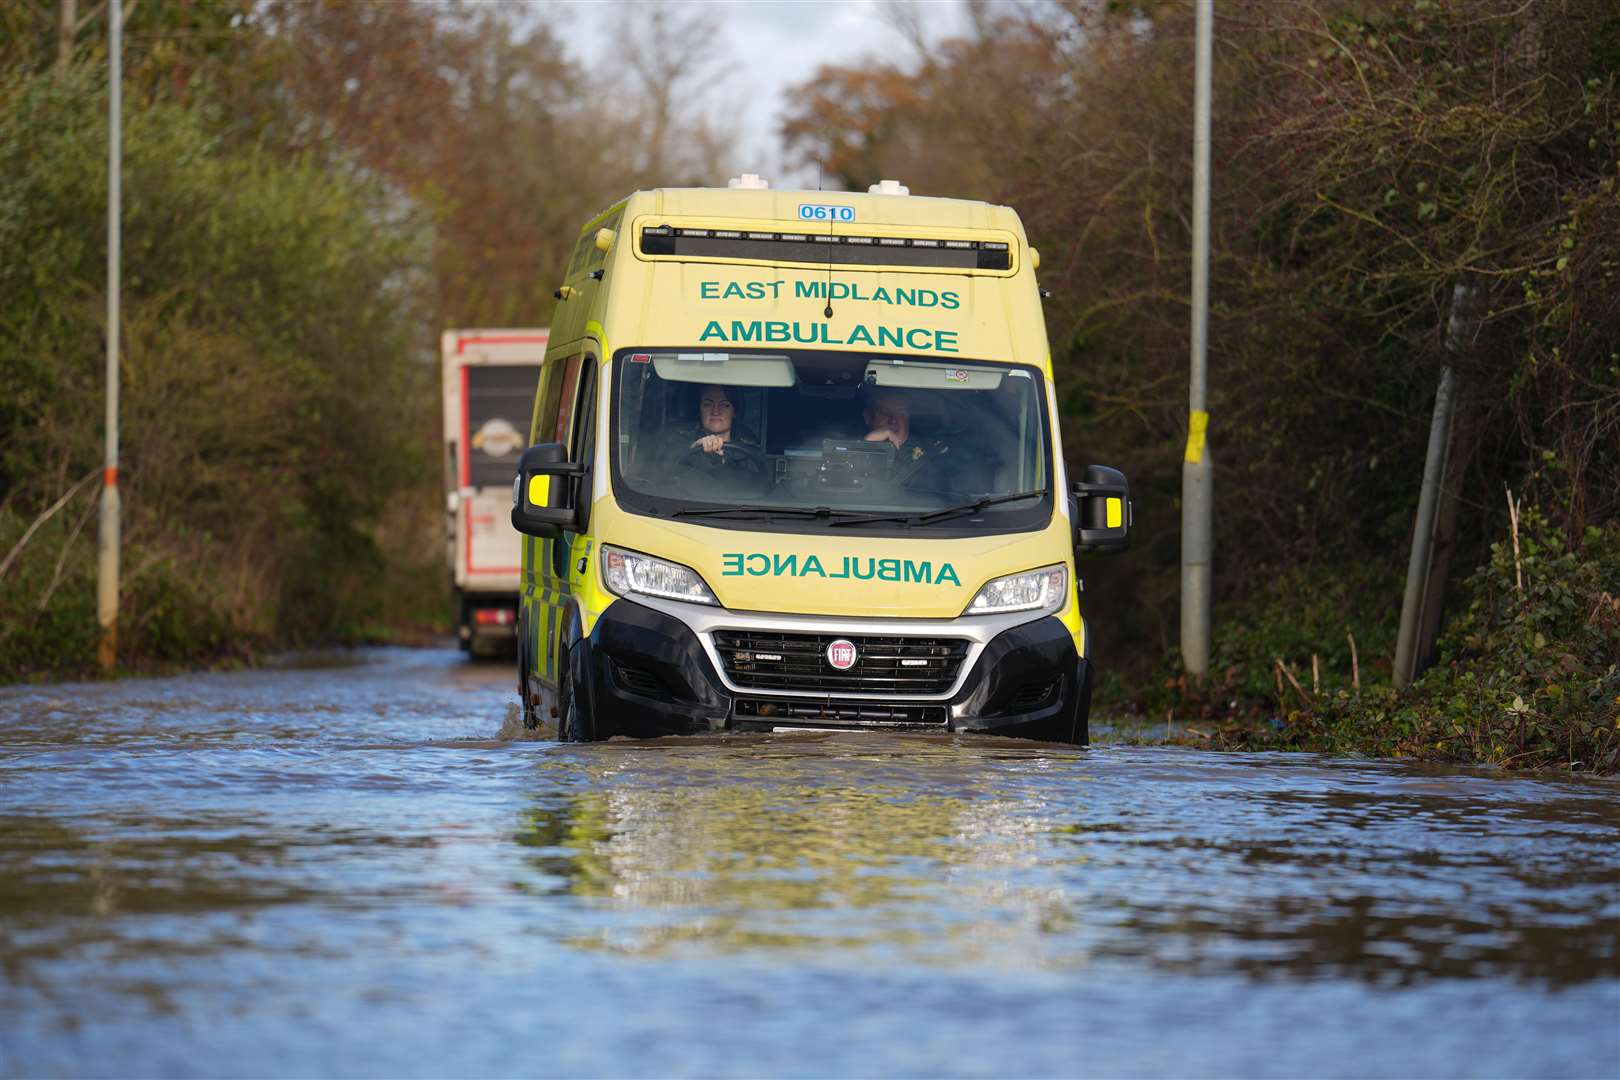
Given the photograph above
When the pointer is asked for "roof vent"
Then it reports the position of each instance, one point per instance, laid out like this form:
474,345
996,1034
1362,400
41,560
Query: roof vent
888,187
748,182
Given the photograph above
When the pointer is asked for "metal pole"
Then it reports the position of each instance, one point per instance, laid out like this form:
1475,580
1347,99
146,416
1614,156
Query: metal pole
108,541
1197,467
1417,566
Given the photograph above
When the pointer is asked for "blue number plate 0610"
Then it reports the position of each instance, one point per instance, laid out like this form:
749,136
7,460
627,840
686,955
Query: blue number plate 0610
817,212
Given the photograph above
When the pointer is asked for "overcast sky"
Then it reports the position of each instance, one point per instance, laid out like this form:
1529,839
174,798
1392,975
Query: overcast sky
777,44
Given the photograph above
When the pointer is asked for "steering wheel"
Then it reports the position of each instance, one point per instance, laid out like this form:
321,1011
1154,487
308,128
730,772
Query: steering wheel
738,465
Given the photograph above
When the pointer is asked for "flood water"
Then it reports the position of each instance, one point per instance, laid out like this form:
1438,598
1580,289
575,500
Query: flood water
361,868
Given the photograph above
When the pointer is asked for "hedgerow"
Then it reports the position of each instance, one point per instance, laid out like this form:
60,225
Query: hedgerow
1528,673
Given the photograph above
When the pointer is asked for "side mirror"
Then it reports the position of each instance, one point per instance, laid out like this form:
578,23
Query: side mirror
543,493
1102,505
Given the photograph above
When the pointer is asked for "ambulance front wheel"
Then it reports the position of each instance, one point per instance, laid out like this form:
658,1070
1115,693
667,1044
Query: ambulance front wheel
574,720
1080,734
529,711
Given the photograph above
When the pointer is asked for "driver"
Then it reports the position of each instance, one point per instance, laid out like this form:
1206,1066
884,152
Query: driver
707,439
716,414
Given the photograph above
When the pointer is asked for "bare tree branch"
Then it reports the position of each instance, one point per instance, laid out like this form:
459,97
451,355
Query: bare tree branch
42,519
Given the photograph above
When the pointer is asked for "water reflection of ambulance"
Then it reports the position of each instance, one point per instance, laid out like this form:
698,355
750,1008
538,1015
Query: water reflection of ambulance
795,462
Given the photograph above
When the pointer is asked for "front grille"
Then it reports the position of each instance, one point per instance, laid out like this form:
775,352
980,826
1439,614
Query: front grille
761,660
833,713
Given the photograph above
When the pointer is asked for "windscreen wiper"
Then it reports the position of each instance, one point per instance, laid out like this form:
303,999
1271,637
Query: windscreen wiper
756,511
945,512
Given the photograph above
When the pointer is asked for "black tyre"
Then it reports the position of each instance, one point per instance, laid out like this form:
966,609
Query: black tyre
574,722
458,612
1080,730
531,714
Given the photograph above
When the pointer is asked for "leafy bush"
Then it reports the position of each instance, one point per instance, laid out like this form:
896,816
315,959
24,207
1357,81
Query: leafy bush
272,413
1296,615
1528,674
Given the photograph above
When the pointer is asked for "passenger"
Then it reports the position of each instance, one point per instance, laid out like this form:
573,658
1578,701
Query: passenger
919,461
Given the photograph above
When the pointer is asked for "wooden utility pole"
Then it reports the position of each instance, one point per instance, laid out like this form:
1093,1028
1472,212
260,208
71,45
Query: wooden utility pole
1434,531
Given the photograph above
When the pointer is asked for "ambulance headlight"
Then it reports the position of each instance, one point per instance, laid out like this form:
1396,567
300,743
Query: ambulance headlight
626,572
1032,590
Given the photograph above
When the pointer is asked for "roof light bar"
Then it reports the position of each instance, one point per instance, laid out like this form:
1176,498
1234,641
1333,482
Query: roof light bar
798,247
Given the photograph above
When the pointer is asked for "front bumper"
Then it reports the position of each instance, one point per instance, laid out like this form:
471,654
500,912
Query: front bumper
652,674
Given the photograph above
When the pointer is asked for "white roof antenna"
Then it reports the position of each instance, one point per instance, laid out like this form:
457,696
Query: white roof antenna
888,187
748,182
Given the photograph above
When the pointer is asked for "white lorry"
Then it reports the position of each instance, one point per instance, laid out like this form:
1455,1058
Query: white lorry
489,381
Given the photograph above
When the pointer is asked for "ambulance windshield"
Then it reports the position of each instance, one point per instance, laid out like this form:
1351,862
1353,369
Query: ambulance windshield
831,439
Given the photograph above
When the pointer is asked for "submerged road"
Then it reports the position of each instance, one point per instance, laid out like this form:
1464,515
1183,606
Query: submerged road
365,868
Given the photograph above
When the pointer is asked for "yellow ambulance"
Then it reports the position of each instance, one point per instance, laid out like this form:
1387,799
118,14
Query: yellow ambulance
795,463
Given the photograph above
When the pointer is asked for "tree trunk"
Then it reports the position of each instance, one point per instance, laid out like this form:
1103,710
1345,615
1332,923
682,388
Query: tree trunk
67,32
